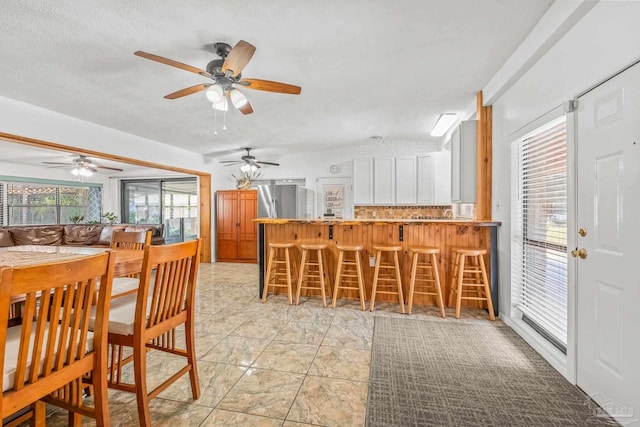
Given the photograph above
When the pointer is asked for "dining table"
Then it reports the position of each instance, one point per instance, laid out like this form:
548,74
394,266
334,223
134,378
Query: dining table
128,261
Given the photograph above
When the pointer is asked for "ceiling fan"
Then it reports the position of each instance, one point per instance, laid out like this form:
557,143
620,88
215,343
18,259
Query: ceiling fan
83,166
226,76
249,163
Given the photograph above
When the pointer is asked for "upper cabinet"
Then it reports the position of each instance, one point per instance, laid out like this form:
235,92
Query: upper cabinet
434,178
406,183
363,181
383,181
463,163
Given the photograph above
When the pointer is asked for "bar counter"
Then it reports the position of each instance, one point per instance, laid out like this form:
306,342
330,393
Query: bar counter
442,233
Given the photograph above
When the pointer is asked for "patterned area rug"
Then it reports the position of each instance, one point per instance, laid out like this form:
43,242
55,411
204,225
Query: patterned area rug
440,373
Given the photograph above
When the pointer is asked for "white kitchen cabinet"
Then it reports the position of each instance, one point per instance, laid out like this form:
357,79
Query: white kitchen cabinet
383,181
434,178
406,182
463,163
363,181
426,178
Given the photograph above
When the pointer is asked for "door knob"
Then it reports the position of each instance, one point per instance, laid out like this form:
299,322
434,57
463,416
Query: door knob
582,231
582,253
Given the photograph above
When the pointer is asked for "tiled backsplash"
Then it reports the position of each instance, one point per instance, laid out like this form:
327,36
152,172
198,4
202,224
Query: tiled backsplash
401,212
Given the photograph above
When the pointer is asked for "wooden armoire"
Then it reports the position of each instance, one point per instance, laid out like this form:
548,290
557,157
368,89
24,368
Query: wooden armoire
236,233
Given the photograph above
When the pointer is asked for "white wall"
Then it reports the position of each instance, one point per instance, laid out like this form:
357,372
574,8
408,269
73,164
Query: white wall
601,43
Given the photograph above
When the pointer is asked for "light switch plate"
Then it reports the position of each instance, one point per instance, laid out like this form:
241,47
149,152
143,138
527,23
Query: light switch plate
372,261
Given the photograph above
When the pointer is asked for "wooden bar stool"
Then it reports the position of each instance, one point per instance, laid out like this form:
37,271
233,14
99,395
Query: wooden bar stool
278,268
469,271
391,277
349,271
429,279
312,270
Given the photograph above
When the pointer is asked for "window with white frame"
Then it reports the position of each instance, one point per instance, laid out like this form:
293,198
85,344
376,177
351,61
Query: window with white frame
24,203
539,230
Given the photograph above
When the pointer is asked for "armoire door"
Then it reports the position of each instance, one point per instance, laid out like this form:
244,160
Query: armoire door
247,229
227,225
237,236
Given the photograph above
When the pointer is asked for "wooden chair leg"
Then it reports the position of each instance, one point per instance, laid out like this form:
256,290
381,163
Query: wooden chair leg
190,344
412,281
140,381
288,267
360,280
399,281
436,283
39,418
460,278
265,290
321,277
336,286
453,286
375,281
300,275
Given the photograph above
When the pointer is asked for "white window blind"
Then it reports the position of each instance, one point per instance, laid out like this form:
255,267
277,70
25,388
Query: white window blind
539,249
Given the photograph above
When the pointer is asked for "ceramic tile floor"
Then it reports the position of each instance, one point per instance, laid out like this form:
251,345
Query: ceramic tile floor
266,364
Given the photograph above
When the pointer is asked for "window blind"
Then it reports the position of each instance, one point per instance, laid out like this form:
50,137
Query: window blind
539,249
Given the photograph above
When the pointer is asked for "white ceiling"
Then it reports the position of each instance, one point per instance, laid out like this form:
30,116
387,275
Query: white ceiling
366,67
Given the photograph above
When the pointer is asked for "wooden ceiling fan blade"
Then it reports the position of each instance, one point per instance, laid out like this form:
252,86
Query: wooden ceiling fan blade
172,63
188,91
238,58
269,86
246,108
110,168
268,163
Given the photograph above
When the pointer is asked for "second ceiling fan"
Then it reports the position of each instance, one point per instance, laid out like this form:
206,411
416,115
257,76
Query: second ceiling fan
226,75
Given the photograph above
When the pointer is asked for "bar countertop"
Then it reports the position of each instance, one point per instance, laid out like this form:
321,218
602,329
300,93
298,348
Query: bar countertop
400,221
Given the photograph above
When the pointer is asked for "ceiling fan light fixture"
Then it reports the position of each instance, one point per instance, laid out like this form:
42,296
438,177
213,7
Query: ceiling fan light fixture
237,98
81,171
444,123
223,105
215,94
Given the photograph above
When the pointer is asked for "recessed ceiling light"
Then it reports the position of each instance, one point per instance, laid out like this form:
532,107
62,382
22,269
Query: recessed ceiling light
444,123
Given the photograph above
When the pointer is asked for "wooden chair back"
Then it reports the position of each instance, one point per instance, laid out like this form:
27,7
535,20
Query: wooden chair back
130,239
54,346
167,286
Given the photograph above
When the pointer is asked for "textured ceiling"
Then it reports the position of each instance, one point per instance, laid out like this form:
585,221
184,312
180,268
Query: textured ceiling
374,67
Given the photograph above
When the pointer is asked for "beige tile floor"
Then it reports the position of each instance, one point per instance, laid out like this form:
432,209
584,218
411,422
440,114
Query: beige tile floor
266,364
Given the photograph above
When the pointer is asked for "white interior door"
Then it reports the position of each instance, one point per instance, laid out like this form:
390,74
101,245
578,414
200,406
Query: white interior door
608,279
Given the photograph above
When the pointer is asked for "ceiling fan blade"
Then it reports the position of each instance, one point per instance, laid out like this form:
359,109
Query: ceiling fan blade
230,161
238,58
270,86
172,63
188,91
246,108
109,168
57,163
268,163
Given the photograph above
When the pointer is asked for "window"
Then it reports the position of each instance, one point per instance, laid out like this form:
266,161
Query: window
173,202
539,249
25,203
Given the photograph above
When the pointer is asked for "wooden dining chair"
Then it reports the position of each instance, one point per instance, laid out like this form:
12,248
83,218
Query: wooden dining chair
148,321
131,240
47,358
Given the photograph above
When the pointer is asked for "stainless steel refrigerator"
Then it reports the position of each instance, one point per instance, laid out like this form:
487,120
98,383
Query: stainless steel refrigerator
282,201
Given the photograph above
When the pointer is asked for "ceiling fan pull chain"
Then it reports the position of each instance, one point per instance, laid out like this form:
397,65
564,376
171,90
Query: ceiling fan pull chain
224,120
215,122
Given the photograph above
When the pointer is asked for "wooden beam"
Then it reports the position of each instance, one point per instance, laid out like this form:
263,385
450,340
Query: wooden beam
204,179
483,159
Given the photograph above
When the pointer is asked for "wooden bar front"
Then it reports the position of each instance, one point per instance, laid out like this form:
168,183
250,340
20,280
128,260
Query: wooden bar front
442,234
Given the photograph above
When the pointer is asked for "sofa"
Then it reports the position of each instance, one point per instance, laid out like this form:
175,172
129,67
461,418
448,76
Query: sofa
92,235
